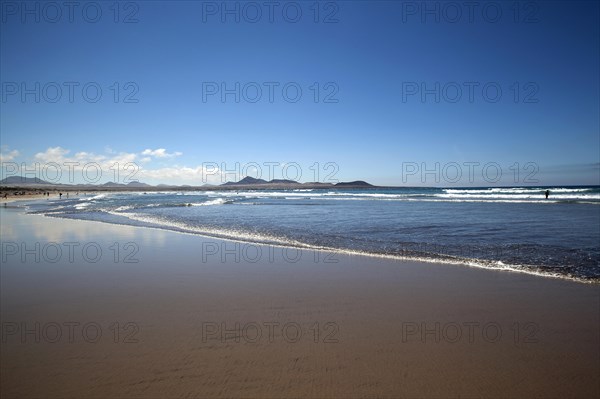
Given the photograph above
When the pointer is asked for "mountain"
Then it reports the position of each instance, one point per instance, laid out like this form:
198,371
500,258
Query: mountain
132,186
251,180
356,183
278,183
137,184
112,184
23,180
245,180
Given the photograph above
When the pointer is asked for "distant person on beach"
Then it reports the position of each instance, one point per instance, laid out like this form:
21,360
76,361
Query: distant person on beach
59,195
547,193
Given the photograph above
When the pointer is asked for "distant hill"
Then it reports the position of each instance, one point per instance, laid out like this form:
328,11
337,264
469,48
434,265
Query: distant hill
112,184
357,183
133,184
23,180
245,181
283,183
248,182
251,180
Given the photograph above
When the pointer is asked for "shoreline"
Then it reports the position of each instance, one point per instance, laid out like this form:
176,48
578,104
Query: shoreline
34,196
457,261
469,262
177,288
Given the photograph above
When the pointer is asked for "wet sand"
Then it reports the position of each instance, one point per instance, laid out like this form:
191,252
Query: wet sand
200,317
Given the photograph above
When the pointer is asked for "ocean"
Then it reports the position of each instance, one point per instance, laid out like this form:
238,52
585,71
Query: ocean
511,228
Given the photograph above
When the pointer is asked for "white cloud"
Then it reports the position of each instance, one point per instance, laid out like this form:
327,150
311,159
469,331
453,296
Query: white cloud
52,154
85,167
182,175
121,167
60,156
7,156
160,153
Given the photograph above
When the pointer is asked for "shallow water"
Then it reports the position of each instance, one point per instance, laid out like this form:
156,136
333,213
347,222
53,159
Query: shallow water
501,228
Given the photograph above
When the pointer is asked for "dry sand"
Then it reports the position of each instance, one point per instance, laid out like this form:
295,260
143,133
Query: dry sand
26,197
531,336
30,195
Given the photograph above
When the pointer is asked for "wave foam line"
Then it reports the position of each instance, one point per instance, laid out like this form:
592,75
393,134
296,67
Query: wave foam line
261,239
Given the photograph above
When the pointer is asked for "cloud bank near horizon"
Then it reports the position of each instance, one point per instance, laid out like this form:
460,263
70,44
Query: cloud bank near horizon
159,166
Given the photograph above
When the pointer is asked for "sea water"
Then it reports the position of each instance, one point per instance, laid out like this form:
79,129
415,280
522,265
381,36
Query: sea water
513,228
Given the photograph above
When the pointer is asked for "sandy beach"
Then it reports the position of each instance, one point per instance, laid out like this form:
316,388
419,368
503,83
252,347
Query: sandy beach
300,199
99,310
27,197
21,194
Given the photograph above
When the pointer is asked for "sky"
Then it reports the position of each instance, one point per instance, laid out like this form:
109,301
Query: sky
390,92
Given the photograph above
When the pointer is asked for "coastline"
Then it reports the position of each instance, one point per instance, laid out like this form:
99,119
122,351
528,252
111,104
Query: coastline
33,195
445,260
26,197
469,263
180,282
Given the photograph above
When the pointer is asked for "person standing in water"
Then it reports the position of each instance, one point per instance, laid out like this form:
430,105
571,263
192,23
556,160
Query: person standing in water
547,193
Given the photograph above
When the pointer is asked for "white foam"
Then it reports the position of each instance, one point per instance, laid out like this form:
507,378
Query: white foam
531,195
123,208
517,190
262,239
231,234
217,201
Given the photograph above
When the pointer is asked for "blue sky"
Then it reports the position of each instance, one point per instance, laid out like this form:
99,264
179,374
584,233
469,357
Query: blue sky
367,62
